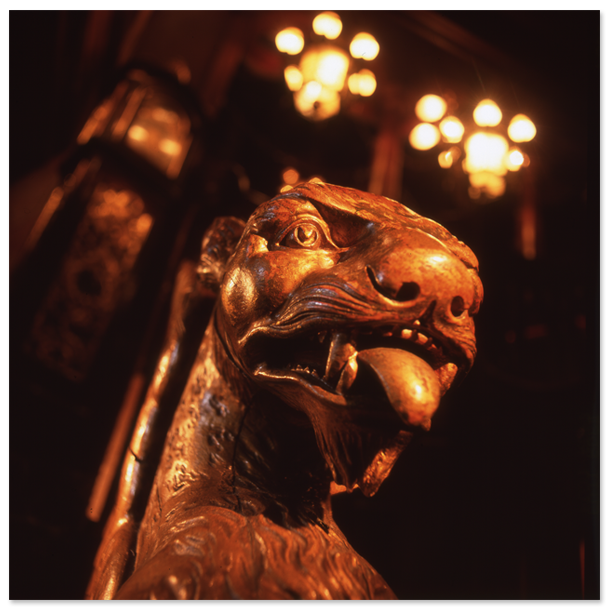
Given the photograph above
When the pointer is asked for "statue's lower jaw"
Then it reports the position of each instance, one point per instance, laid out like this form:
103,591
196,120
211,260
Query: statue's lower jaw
362,435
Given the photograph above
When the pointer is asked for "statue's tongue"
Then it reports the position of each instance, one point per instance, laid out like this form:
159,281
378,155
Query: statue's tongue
411,385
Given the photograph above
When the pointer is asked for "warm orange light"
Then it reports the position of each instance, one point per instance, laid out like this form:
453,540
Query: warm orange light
364,46
521,129
138,133
451,129
362,83
327,24
317,102
311,91
170,147
290,175
293,77
290,40
485,152
327,65
489,183
447,158
332,69
353,83
487,114
430,108
424,136
514,159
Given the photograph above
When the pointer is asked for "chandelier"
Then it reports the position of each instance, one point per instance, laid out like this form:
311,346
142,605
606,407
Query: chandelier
487,155
327,71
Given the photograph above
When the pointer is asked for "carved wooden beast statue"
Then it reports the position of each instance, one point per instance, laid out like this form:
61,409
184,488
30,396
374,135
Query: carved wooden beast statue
341,319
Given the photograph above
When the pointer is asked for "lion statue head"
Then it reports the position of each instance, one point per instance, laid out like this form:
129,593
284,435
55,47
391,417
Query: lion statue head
352,309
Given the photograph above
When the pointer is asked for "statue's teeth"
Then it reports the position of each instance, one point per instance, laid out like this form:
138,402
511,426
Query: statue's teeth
348,374
434,350
421,339
446,374
340,350
406,333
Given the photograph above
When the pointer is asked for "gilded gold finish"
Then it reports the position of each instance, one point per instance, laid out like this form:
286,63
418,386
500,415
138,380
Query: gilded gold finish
341,319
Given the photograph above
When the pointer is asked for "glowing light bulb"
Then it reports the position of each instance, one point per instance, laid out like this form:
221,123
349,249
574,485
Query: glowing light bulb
362,83
364,46
311,90
326,65
290,40
452,129
491,184
290,175
487,114
327,24
445,159
514,159
317,102
293,77
521,129
430,108
332,69
353,83
424,136
485,152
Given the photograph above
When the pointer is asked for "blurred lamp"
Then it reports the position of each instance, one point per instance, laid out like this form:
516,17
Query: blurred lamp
364,46
515,159
487,114
486,182
487,154
290,175
317,102
424,136
327,24
447,157
326,65
521,129
430,108
451,129
290,40
362,83
293,77
319,81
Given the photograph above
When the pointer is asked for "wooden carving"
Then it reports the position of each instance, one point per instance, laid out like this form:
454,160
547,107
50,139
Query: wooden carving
341,319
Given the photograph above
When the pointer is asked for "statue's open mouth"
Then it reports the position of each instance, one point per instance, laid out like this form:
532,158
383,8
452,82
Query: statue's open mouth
354,367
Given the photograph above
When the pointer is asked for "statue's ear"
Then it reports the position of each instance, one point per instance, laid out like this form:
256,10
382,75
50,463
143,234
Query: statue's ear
217,246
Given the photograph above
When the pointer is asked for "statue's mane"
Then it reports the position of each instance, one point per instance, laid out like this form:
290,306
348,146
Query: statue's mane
262,560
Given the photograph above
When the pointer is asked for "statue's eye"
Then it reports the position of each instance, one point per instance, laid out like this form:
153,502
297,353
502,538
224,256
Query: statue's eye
303,235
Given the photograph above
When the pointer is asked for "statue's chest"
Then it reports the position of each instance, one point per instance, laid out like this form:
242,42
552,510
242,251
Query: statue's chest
221,554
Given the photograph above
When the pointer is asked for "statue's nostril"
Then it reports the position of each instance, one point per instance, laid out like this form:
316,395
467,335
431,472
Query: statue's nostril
407,292
457,306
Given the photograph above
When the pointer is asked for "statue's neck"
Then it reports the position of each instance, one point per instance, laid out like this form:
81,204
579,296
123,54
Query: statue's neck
233,446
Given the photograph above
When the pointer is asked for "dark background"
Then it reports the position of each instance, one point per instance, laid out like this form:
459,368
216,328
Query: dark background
501,499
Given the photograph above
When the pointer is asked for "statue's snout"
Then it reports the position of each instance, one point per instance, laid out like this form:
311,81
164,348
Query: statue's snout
422,270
